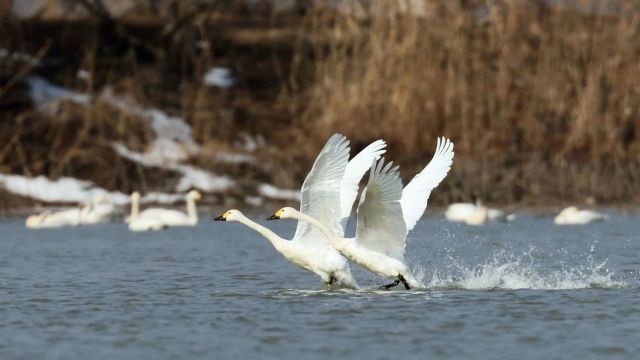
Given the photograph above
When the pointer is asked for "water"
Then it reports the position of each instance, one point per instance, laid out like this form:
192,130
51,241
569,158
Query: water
526,290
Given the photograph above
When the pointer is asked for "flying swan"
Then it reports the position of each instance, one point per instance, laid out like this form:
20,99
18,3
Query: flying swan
386,214
328,192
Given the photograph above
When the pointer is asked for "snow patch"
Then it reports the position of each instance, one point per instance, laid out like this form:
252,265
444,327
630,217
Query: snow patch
273,192
43,92
219,77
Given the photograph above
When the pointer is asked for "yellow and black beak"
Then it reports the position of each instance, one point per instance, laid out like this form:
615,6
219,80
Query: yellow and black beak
273,217
220,218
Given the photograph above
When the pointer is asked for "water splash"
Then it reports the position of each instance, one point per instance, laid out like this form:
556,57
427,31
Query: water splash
508,271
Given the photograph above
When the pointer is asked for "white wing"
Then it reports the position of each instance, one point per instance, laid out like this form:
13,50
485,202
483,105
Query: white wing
356,168
416,194
381,226
321,190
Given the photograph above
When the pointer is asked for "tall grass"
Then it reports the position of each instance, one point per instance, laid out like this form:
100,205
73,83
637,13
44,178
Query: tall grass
542,103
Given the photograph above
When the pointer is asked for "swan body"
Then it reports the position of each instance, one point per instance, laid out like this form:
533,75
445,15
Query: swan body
574,216
332,268
158,218
386,213
328,192
99,210
474,214
49,219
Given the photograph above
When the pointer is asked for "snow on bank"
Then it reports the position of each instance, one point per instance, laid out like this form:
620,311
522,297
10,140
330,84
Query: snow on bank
43,92
273,192
218,77
67,189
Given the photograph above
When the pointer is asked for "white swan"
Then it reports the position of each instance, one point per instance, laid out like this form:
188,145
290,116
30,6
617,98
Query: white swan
99,210
50,219
385,215
328,192
158,218
475,214
574,216
140,221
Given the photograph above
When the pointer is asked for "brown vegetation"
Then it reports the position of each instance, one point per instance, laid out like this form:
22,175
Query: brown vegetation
542,102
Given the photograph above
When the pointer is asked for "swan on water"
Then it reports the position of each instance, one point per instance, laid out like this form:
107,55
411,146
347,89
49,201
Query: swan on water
475,214
574,216
386,213
158,218
328,192
53,219
99,209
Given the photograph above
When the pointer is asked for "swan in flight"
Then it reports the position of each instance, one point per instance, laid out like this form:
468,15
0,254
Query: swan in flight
574,216
158,218
328,192
386,213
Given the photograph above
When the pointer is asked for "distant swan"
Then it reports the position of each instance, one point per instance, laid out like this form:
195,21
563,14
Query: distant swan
475,214
140,221
574,216
98,210
328,192
385,215
158,218
51,219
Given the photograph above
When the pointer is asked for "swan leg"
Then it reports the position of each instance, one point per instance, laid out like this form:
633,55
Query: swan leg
389,286
404,282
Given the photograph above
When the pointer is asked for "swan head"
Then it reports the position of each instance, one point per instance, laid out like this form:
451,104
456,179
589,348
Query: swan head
135,196
35,220
230,215
284,213
194,195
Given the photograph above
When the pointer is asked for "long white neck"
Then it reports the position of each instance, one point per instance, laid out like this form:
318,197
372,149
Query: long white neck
192,213
279,243
336,242
135,208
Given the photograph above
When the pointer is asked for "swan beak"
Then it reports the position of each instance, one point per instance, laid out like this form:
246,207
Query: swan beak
273,217
220,218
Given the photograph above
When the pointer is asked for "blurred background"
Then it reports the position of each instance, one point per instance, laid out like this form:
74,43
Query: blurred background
236,97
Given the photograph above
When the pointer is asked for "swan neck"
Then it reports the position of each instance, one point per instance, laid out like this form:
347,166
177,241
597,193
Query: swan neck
276,240
135,208
192,213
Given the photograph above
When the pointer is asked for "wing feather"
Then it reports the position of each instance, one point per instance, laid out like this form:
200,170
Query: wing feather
321,190
355,170
416,194
381,225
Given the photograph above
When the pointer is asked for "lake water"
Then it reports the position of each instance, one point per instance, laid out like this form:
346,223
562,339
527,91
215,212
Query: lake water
523,290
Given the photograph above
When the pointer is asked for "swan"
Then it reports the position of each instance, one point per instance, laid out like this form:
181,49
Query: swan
475,214
386,213
574,216
99,210
328,192
50,219
141,221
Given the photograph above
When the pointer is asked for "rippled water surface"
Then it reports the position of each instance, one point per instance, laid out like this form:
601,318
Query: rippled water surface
524,290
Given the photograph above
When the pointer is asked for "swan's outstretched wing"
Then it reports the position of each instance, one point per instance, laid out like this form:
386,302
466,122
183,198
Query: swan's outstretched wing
321,190
381,226
356,168
416,194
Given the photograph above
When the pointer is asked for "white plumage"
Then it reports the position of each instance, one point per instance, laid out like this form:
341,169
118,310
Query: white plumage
327,193
574,216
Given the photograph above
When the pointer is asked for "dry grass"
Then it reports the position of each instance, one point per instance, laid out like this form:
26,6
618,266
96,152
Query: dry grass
542,103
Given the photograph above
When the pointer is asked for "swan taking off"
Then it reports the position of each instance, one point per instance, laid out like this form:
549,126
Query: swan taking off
385,215
328,192
158,218
574,216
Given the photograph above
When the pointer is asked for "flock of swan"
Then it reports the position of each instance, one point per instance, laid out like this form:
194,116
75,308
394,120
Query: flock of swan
386,213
